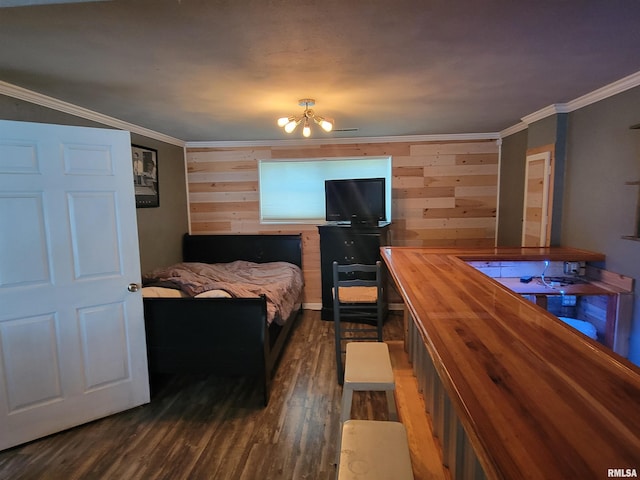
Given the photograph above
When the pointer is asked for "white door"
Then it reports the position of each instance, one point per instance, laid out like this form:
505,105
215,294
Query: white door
72,342
537,200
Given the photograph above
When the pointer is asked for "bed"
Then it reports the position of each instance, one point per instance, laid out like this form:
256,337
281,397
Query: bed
221,335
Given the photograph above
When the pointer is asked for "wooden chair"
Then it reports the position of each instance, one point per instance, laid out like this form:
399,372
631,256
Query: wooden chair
358,298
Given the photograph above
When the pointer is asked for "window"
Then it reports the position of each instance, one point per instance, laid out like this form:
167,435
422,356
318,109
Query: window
292,191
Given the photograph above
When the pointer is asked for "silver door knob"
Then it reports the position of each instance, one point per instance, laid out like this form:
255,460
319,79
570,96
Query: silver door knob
133,287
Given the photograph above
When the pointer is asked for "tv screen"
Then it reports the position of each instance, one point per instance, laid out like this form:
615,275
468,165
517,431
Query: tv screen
359,200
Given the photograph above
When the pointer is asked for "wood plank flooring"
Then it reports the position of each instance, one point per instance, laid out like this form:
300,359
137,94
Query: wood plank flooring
426,452
200,427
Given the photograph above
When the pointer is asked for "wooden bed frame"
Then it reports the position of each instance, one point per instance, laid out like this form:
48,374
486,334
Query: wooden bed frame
222,336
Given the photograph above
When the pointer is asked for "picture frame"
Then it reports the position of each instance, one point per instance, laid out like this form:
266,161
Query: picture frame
145,176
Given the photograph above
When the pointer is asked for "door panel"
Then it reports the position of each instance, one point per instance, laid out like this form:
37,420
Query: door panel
104,345
88,212
72,344
18,156
40,364
537,212
28,263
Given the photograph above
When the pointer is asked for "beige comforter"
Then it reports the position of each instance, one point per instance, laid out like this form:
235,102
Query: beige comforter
281,282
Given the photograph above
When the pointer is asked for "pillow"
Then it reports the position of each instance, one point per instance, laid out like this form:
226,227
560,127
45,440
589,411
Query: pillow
157,292
214,294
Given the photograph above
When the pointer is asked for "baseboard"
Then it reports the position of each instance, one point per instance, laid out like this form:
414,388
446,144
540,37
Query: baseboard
312,306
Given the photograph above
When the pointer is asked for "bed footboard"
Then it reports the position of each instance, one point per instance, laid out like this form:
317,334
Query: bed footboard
208,335
221,336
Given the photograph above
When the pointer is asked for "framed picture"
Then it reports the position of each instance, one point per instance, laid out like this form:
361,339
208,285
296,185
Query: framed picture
145,176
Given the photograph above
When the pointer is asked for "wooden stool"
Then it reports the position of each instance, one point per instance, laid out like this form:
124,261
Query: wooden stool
373,450
368,368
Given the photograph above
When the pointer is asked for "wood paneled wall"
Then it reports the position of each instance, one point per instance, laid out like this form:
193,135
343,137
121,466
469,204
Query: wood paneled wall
443,193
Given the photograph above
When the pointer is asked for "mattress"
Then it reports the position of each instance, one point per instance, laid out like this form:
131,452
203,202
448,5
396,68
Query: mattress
280,282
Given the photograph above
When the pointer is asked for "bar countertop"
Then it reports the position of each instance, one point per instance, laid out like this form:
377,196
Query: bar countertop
536,398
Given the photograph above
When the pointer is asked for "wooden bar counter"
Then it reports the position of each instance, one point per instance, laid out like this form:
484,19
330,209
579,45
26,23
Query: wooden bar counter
533,398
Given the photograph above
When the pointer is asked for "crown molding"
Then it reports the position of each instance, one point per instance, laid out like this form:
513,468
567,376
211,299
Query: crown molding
518,127
622,85
344,141
545,112
61,106
603,93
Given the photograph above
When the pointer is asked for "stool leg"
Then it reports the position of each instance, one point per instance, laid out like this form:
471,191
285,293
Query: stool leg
347,398
345,414
391,405
338,448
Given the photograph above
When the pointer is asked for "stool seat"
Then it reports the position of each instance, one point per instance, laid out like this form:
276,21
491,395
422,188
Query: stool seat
374,450
368,364
368,368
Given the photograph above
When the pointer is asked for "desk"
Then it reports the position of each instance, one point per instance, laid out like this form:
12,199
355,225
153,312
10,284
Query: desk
616,292
536,287
513,392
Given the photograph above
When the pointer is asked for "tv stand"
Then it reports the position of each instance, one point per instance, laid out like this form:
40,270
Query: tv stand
347,244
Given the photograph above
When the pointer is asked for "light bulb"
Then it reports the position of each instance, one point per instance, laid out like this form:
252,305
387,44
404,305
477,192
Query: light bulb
291,126
284,120
306,131
326,125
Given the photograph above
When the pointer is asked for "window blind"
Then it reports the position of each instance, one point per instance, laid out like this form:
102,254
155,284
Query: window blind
292,190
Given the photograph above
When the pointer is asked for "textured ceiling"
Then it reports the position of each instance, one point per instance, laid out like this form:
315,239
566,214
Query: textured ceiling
225,70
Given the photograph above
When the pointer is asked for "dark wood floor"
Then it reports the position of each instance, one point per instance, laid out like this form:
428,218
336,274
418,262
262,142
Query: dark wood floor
215,428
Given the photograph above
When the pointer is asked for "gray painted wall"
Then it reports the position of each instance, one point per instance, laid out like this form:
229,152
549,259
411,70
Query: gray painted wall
560,159
603,154
542,132
159,229
512,168
553,131
596,153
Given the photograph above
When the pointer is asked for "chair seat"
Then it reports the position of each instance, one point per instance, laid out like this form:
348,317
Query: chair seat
357,295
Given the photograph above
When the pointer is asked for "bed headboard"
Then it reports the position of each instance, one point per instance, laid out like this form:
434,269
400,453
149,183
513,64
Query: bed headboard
252,248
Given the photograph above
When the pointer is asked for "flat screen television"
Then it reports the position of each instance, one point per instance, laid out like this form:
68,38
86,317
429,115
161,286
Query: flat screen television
358,200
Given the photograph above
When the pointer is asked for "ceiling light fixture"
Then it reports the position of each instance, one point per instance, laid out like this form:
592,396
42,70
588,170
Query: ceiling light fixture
290,123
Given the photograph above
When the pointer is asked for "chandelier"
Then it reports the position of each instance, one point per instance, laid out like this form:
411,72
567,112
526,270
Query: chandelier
290,123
